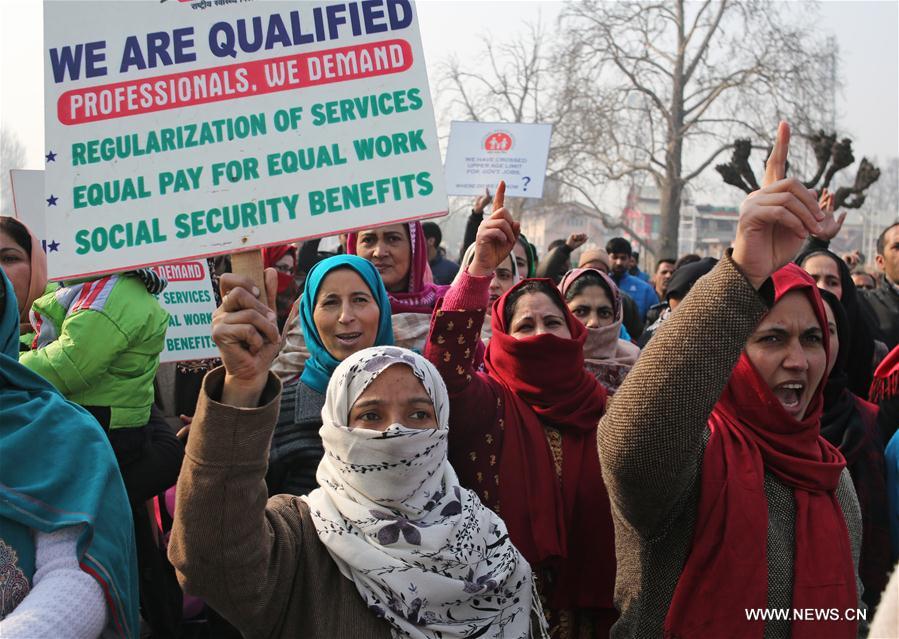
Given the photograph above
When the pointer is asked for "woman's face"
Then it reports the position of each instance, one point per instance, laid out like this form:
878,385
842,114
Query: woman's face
825,273
396,396
521,258
833,336
592,307
787,349
17,266
345,314
286,264
537,314
503,280
388,248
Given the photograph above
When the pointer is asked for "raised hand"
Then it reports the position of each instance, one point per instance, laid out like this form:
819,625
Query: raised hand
481,203
496,237
246,333
576,240
830,226
776,219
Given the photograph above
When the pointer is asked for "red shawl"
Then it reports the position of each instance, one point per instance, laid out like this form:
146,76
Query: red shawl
727,568
422,293
886,378
565,524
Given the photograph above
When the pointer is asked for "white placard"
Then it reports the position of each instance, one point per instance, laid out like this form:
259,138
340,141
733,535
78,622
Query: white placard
190,302
177,130
480,154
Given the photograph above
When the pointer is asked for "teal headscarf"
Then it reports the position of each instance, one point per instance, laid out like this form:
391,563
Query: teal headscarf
59,471
321,363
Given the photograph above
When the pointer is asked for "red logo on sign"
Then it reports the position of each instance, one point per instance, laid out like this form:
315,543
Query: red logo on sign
498,141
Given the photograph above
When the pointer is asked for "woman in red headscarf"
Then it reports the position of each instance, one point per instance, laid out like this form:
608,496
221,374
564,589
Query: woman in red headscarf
283,258
523,433
733,516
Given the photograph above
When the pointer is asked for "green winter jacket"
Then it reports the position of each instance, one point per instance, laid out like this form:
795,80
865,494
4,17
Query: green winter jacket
98,343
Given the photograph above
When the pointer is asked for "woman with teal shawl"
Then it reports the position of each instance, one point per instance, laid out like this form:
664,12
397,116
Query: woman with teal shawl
296,445
58,473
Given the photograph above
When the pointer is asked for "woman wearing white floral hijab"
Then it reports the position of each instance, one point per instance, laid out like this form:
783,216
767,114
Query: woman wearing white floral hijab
424,553
390,545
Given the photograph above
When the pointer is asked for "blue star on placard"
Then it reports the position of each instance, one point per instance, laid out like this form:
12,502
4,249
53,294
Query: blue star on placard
51,157
53,246
51,201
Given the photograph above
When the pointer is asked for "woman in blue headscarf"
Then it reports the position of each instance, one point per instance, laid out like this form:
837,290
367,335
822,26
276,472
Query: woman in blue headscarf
344,308
67,558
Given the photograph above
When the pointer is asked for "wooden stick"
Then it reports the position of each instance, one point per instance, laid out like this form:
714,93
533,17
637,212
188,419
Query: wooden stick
249,264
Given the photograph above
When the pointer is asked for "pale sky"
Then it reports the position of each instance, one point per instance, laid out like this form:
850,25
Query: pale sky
868,33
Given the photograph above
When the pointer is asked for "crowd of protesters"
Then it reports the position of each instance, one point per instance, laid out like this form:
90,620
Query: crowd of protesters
396,444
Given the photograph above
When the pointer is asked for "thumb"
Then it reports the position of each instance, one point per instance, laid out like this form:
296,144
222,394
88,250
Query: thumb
776,166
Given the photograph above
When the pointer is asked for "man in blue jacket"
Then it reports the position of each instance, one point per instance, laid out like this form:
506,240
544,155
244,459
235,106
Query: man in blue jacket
620,252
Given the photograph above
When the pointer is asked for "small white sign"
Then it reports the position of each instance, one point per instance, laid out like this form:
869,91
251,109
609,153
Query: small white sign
190,302
480,154
178,130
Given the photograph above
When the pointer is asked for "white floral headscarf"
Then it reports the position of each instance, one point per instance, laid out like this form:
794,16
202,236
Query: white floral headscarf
424,553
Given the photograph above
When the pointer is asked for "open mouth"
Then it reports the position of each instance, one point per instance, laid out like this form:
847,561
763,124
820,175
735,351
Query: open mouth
348,339
790,395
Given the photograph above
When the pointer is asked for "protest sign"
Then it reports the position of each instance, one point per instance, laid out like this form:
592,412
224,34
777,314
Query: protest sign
188,297
190,302
27,200
176,130
480,154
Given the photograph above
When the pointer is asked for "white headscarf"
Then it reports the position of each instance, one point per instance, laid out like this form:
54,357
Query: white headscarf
424,553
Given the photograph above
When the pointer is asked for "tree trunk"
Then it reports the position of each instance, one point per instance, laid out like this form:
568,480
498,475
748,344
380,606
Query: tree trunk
672,185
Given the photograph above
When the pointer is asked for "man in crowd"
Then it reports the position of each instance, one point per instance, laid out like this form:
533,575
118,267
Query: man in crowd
444,270
634,267
883,302
664,271
620,252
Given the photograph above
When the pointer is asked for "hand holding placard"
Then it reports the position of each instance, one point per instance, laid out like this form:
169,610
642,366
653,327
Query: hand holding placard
246,332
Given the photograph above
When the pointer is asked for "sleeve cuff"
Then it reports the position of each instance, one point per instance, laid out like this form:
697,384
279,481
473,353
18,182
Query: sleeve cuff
468,293
225,435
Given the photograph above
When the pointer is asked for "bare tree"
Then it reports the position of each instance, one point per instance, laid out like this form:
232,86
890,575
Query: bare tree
522,79
661,88
12,156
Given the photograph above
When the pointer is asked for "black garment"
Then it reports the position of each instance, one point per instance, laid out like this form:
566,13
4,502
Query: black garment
471,232
683,279
555,264
859,364
882,309
309,255
150,459
850,424
296,448
632,321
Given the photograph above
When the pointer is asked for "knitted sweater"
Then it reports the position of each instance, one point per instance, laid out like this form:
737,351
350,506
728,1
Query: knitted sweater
651,445
258,562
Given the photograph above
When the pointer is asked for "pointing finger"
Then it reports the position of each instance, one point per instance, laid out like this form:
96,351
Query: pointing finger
499,198
776,166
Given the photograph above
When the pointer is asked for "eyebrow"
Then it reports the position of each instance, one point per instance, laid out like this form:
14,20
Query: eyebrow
374,401
336,294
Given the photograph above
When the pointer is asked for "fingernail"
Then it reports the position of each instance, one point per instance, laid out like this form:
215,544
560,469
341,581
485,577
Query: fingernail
256,291
818,228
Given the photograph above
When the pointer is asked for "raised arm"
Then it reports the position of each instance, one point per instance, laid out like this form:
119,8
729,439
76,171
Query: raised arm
474,222
230,545
652,432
